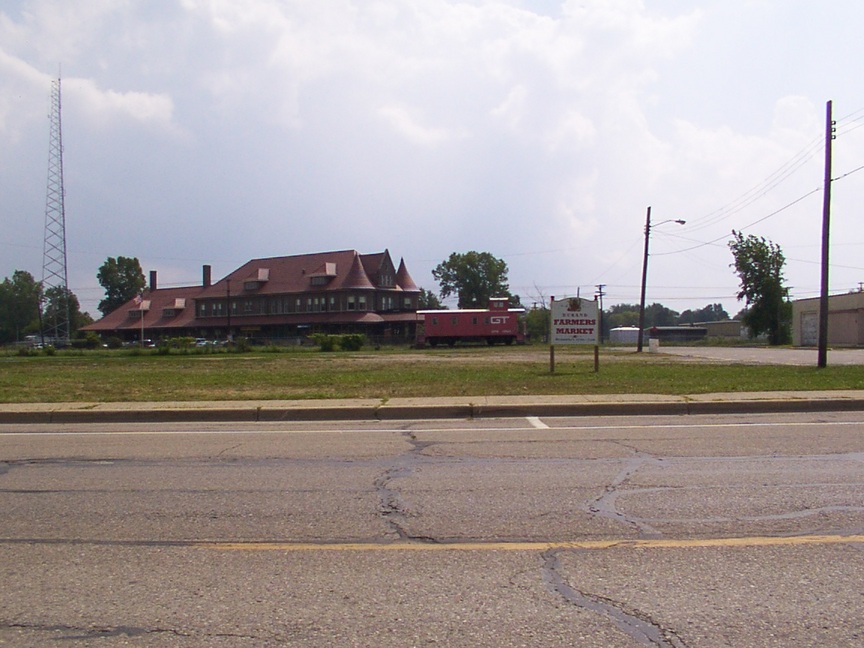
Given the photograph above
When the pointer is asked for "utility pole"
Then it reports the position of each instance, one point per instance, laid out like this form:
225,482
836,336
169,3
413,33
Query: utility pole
644,281
826,222
645,273
600,294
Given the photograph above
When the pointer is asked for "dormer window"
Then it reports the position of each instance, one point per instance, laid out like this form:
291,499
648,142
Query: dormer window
174,307
323,274
142,306
258,279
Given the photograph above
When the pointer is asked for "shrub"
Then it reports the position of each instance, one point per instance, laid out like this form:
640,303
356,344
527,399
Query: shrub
325,341
352,341
87,341
346,342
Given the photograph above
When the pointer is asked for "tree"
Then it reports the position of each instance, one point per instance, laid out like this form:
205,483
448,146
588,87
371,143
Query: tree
19,306
122,279
54,307
475,277
628,315
659,315
537,323
759,264
428,300
710,313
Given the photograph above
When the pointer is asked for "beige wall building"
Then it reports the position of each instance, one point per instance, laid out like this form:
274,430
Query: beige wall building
845,320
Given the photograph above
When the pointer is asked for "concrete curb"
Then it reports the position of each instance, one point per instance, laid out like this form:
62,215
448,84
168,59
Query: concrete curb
437,408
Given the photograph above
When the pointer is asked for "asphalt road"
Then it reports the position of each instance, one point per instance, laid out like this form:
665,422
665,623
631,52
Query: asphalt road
651,531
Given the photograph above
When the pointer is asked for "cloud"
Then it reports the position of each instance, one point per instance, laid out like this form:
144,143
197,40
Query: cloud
401,120
258,127
102,106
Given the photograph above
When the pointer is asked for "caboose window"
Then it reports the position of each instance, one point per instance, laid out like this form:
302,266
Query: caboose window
434,321
454,320
474,321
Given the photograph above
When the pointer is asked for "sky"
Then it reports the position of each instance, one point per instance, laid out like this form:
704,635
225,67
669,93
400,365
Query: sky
218,131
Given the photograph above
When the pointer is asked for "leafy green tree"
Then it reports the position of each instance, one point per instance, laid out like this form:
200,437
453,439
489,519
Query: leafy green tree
759,264
475,277
428,300
19,306
54,309
710,313
628,315
122,279
537,323
659,315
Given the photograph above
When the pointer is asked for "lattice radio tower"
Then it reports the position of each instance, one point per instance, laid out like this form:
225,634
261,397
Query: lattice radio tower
56,318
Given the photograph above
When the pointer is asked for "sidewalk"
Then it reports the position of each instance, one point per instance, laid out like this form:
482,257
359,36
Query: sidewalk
432,408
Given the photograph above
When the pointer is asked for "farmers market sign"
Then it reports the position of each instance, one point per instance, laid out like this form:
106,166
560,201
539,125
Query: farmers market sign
574,321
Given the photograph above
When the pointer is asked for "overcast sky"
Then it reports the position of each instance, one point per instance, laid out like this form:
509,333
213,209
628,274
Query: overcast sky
217,131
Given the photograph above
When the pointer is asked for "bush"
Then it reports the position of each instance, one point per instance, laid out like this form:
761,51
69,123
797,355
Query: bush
352,341
242,345
347,342
87,341
115,343
325,341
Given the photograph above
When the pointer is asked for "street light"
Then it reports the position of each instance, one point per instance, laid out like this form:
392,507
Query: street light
645,273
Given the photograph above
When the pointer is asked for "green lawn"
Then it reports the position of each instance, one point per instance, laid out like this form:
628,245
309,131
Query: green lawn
309,374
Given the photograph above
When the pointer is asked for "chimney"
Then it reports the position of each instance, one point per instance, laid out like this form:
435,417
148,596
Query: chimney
207,278
152,280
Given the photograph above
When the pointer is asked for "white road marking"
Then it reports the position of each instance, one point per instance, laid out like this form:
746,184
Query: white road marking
537,423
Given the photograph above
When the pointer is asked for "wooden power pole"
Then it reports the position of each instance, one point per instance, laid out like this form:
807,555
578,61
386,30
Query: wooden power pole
826,222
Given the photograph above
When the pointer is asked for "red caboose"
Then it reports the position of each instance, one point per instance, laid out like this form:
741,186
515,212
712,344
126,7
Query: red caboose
498,323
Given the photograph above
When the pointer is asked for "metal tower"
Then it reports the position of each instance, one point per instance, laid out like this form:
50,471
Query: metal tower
56,317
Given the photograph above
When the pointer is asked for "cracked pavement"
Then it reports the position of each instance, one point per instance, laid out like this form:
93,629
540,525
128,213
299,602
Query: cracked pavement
656,531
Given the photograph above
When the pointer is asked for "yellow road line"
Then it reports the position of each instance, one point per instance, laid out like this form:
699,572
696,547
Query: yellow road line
758,541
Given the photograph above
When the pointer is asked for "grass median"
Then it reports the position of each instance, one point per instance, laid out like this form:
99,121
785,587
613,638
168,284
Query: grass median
112,376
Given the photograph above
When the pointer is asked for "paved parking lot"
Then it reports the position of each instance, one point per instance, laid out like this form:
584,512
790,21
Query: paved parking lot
766,355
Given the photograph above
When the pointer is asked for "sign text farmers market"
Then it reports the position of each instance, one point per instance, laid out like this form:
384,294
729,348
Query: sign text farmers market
574,321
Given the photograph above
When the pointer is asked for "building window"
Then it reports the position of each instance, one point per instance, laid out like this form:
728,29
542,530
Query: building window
351,304
361,303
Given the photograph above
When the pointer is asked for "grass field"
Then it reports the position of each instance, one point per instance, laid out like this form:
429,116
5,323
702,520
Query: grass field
123,375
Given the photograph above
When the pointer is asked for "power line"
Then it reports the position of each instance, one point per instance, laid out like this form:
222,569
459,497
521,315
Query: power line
774,213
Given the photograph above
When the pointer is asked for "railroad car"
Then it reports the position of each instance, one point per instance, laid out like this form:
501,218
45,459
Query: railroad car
497,324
